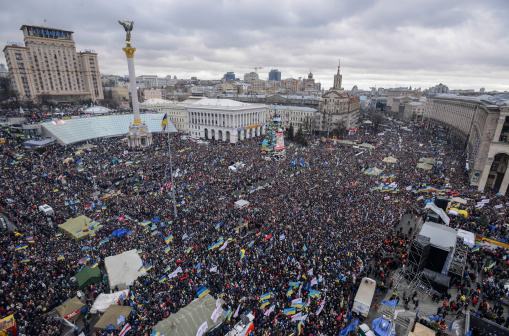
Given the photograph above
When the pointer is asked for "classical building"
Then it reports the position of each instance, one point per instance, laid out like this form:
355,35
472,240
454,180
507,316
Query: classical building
395,95
48,67
413,111
483,124
225,119
175,111
338,109
296,116
153,94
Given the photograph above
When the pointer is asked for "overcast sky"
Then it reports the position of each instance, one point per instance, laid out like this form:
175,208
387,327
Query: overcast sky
461,43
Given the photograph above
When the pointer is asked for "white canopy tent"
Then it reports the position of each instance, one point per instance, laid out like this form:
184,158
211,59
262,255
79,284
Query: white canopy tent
123,268
241,203
468,237
103,301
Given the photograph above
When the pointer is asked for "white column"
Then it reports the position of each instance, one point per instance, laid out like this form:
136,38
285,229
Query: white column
505,183
134,91
498,131
484,176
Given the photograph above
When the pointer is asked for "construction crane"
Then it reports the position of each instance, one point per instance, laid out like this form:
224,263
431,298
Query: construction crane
256,69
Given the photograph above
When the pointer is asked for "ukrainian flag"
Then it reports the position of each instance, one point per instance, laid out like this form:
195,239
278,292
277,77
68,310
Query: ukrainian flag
139,251
298,306
242,254
299,326
218,225
164,122
294,284
289,292
168,239
228,314
87,259
314,294
476,248
162,279
142,269
95,265
290,311
148,267
155,333
221,294
25,260
167,249
265,297
265,304
21,247
189,250
202,291
145,223
61,257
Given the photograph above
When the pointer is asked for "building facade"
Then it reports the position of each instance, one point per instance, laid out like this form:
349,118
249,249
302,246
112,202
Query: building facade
48,67
483,125
225,120
296,116
275,75
338,109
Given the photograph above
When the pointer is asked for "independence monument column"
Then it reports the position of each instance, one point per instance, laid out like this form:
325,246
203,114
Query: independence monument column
138,135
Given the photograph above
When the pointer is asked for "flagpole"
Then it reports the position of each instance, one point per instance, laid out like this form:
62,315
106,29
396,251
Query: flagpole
171,174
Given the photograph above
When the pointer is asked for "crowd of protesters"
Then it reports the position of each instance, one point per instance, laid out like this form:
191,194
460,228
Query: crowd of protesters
317,219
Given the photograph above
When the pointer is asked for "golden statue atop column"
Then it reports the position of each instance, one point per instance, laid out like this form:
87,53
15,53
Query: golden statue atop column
139,134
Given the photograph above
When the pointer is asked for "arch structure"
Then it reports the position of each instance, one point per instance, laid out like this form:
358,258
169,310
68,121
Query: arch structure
226,120
482,123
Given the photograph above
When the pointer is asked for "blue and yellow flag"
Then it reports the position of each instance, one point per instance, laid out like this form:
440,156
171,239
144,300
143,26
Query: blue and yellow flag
164,122
95,265
265,304
25,260
21,247
221,294
168,239
265,297
139,251
242,254
289,292
167,249
58,234
202,291
289,311
162,279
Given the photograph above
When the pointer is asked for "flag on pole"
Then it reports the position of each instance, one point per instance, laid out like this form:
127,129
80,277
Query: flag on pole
164,123
125,329
236,311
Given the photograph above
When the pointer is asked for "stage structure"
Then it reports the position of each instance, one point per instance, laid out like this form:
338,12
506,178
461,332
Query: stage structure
139,134
273,146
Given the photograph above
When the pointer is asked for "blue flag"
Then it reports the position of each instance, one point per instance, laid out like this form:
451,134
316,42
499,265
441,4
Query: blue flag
351,327
392,303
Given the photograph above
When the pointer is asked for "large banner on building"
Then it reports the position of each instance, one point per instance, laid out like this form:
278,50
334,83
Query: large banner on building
280,141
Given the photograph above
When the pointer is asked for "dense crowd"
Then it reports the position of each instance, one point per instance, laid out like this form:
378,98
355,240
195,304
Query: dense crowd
320,220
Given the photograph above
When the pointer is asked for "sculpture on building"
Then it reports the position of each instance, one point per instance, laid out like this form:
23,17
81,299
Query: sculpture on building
128,26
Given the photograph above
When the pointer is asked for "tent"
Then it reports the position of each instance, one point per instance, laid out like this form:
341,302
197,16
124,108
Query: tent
345,142
103,301
424,166
241,203
390,159
430,161
79,228
123,268
468,237
421,330
188,320
459,200
373,171
88,276
110,319
70,310
366,145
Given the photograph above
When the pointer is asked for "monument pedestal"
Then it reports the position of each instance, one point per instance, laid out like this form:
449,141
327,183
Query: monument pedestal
139,135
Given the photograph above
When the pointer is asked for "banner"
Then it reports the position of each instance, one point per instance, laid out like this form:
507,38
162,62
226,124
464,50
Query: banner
280,141
71,315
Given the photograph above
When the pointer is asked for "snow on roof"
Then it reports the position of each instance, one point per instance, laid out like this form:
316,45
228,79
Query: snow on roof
156,101
97,109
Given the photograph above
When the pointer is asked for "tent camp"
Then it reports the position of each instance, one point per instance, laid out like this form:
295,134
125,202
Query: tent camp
103,301
110,319
390,159
345,142
373,171
79,228
366,145
123,268
70,310
188,320
424,166
88,276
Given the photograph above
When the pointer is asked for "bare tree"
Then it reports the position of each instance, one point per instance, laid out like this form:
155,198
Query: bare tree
377,119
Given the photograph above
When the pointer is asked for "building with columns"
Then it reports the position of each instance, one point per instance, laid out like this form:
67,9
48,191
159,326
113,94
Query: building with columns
225,119
483,124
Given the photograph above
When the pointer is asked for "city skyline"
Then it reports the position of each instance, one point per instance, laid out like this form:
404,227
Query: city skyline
383,44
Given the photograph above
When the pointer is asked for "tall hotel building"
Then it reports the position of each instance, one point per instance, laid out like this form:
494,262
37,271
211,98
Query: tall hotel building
47,66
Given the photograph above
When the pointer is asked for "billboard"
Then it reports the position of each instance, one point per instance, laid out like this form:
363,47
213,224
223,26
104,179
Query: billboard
280,141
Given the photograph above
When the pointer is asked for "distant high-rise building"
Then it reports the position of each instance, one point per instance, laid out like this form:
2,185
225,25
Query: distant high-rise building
48,65
229,76
482,90
275,75
4,73
250,77
355,89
